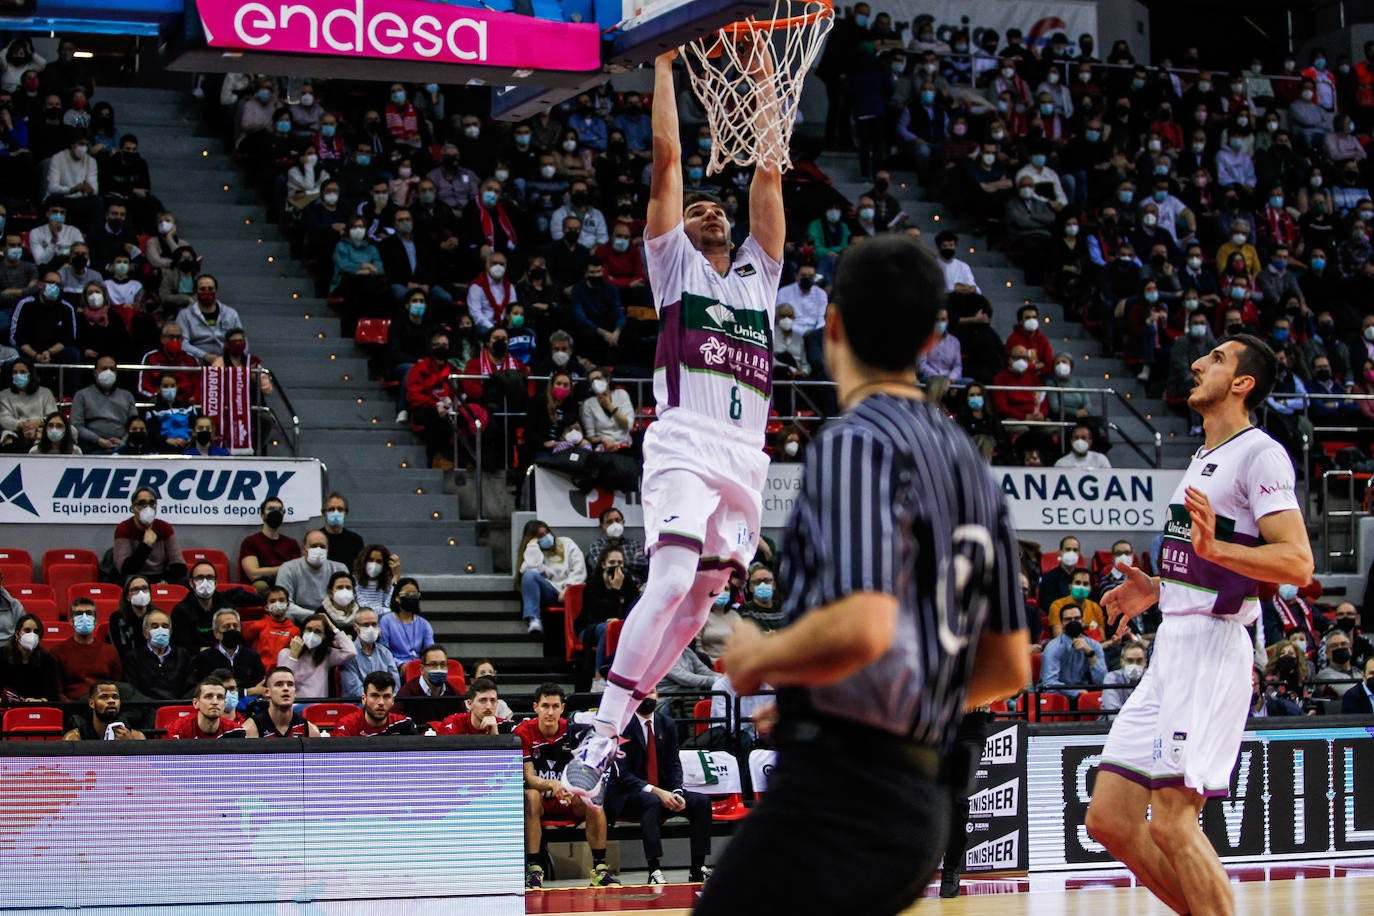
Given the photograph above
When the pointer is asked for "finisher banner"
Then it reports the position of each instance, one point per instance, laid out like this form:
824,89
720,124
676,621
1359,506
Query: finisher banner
997,807
413,30
93,490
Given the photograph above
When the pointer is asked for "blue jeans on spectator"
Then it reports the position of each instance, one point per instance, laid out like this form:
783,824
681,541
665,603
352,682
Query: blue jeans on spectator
535,593
399,373
596,633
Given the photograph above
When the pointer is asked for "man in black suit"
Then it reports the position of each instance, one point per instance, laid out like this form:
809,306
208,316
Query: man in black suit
648,787
1358,700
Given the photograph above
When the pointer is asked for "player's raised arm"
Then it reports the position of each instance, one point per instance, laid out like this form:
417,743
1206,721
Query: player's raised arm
665,185
767,222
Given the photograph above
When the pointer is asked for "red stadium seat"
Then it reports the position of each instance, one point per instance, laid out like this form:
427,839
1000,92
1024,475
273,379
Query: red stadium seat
69,557
728,807
701,709
372,331
45,609
57,631
166,594
15,573
570,609
1037,660
33,723
457,677
167,716
19,557
1051,703
30,590
105,594
1090,701
63,576
327,715
613,628
216,558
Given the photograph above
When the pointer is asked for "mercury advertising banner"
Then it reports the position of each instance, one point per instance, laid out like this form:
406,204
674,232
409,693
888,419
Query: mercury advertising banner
96,490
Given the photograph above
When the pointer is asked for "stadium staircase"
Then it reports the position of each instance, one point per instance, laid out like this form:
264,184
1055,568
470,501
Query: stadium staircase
346,420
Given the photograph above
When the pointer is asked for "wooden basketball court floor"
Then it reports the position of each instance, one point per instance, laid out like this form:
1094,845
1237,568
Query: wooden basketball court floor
1285,889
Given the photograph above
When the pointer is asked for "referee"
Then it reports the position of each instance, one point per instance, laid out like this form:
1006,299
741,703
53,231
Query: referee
904,609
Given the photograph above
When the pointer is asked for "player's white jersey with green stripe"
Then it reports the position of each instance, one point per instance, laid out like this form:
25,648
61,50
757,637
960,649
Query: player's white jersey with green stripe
715,339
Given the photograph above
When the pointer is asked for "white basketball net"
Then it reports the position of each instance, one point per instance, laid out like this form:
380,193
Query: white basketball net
751,87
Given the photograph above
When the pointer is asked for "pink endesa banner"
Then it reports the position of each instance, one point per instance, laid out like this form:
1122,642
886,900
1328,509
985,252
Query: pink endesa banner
401,29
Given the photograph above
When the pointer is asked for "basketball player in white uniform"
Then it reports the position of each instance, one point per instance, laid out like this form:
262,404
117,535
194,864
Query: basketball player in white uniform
1233,523
704,465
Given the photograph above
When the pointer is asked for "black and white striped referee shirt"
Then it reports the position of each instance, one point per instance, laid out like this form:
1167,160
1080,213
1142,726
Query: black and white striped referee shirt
895,499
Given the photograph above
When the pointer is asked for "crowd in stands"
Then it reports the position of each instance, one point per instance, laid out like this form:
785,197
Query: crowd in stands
96,275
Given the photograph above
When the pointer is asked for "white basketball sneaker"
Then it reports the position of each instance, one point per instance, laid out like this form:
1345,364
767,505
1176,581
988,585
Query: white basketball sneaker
585,774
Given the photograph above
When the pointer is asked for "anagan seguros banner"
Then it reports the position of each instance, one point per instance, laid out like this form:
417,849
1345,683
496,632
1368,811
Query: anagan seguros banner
92,490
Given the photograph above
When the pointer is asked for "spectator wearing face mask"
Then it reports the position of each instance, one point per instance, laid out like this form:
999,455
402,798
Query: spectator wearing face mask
178,285
147,546
403,631
829,236
1081,455
807,298
156,665
1093,618
270,634
205,322
1072,658
1359,700
607,415
372,654
23,405
1285,609
170,419
95,332
763,606
1055,583
307,577
82,661
612,523
315,653
170,353
228,650
375,571
1115,686
43,328
490,294
548,565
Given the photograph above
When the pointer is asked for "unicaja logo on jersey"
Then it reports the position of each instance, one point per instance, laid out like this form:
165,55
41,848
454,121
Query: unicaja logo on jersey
713,351
724,318
720,314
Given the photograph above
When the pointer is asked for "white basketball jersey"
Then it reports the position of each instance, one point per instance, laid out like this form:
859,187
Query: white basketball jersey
715,338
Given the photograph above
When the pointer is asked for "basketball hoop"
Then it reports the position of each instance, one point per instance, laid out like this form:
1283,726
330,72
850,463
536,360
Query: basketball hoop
749,75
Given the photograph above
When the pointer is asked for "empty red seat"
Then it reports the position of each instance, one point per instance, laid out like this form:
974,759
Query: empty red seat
17,556
106,596
64,576
1051,703
45,609
167,716
71,556
15,573
372,331
570,609
216,558
167,594
1089,701
327,715
701,709
33,723
56,631
30,590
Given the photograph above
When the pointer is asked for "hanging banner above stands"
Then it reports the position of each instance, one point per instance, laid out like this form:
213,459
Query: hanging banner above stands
410,30
1055,499
91,490
1036,19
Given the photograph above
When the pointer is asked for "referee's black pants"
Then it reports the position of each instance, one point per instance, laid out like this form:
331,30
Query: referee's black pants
842,828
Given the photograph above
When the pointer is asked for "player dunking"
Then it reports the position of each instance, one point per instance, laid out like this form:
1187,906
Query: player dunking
704,465
1233,523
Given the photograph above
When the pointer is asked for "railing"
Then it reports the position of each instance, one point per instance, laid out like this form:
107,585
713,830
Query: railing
1105,397
259,406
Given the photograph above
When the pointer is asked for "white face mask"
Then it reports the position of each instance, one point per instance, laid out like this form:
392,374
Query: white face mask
1149,219
1019,365
312,640
785,325
146,515
95,300
28,641
205,589
1080,446
368,635
1071,230
315,555
547,171
141,599
1031,325
165,227
1133,673
357,233
573,436
832,215
561,357
105,378
497,271
374,569
599,386
791,447
1063,370
1069,558
615,530
277,608
1237,239
343,597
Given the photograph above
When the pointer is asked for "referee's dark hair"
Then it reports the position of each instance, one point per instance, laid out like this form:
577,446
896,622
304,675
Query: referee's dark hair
887,290
1256,359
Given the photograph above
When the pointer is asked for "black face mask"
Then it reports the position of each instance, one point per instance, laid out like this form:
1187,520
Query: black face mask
1323,375
1073,628
274,518
186,266
1233,329
138,439
409,603
1346,624
1288,668
116,226
230,640
79,262
498,349
538,274
1340,657
647,706
580,198
947,254
204,437
439,353
805,283
881,185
